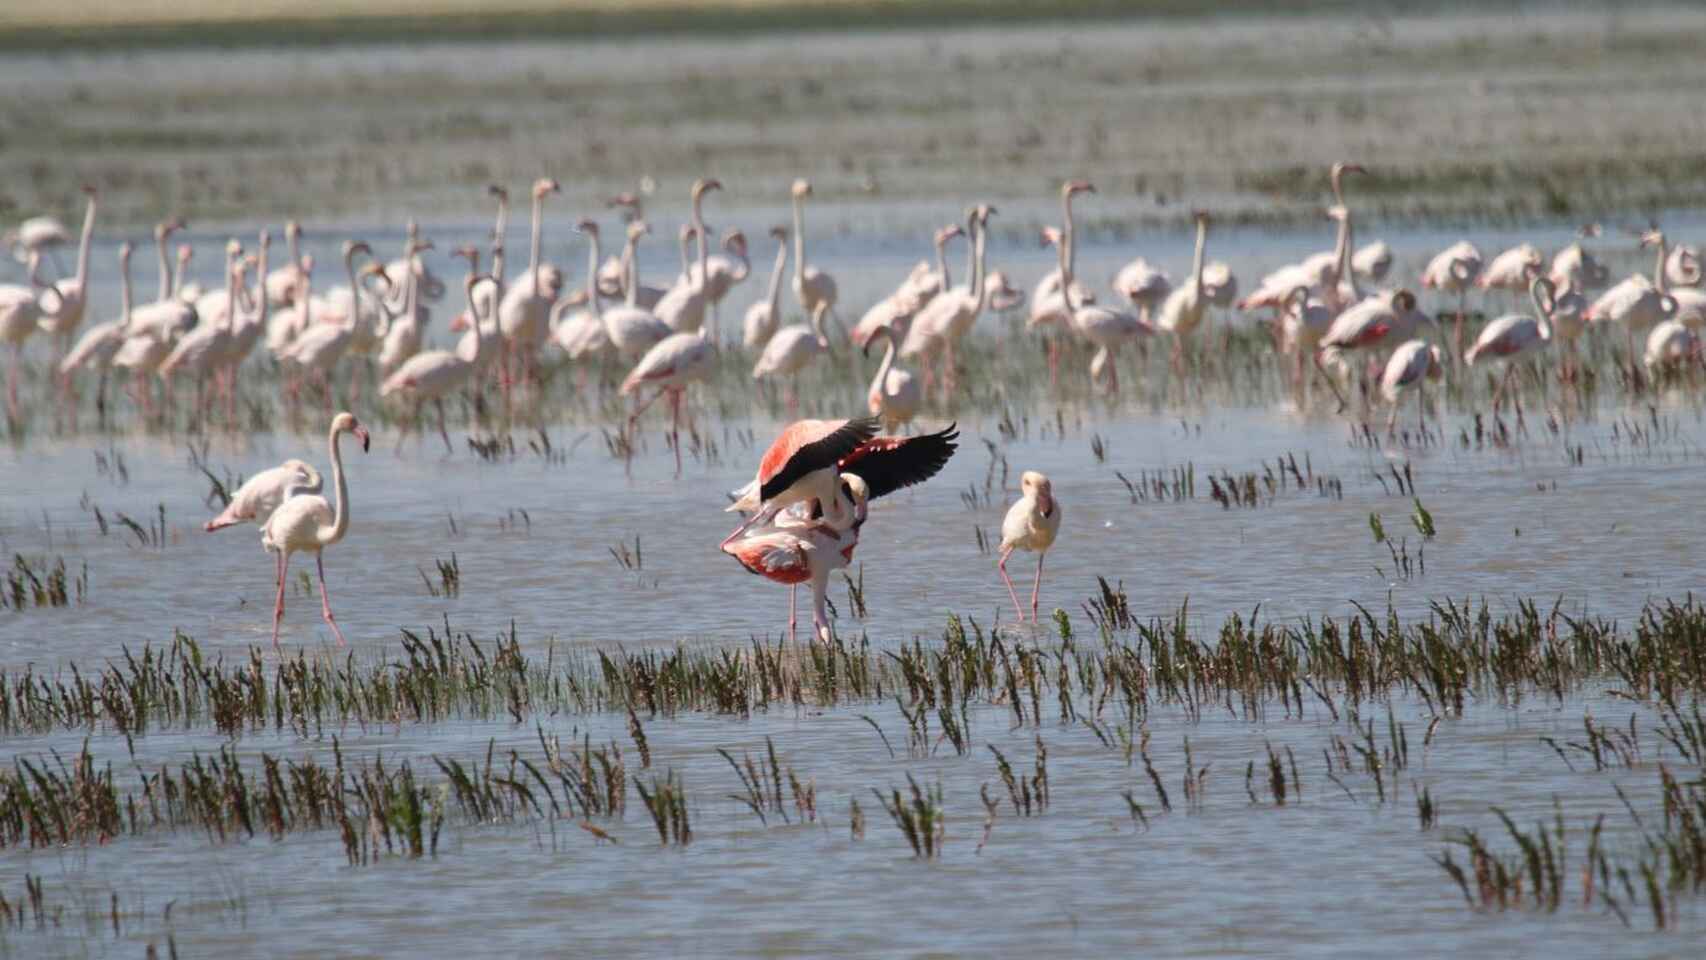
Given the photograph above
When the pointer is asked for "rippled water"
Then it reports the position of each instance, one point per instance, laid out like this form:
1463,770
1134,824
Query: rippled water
1330,875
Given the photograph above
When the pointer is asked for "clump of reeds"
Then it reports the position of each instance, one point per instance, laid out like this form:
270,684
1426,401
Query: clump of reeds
33,583
761,784
666,801
921,819
1029,795
449,578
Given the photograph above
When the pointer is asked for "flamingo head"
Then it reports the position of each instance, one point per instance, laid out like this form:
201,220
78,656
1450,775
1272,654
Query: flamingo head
545,185
638,229
854,488
416,246
705,185
89,190
801,189
587,226
233,248
1200,217
468,252
1038,487
292,229
497,190
624,199
124,252
1071,187
949,232
735,242
1051,236
779,232
353,247
347,423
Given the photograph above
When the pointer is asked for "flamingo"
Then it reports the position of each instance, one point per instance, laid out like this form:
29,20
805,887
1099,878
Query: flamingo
1574,268
1145,286
801,546
1032,523
915,292
433,374
1633,303
763,317
1322,270
100,342
1454,270
812,286
1307,318
1183,310
683,307
290,280
247,327
1373,261
1690,299
725,272
525,310
1682,266
1106,328
895,395
306,523
322,345
1513,335
791,350
1049,301
938,327
632,328
403,336
199,350
411,265
800,466
1368,324
1411,365
263,493
1512,269
613,272
583,334
670,365
72,293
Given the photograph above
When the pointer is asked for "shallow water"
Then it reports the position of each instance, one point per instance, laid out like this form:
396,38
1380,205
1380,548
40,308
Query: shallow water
1333,875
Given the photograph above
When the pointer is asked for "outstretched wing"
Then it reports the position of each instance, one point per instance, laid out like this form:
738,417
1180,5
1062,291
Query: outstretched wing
818,454
887,464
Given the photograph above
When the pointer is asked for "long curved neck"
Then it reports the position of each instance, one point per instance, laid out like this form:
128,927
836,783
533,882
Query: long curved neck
592,261
631,268
743,266
537,239
881,379
775,293
799,238
302,317
699,230
261,279
942,262
1347,273
294,238
500,228
1071,239
230,291
1663,246
84,245
1342,244
340,519
1542,312
971,254
355,288
124,291
178,276
1196,259
686,256
479,326
1065,275
980,293
165,264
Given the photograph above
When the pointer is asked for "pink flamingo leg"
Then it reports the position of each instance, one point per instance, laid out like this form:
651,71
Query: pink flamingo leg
1002,566
793,619
1036,586
675,428
278,605
325,601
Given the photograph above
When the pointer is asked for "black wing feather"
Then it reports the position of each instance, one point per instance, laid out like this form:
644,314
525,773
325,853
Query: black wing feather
886,467
821,453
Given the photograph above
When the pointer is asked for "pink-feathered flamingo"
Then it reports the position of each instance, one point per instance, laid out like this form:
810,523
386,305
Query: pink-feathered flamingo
1512,335
670,366
1411,365
262,494
800,466
306,523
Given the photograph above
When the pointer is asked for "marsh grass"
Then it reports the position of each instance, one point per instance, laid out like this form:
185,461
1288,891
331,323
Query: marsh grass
920,817
35,583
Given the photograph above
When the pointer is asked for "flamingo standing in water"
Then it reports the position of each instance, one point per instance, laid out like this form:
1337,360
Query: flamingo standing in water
1454,270
800,466
763,317
434,374
1049,301
683,307
671,365
895,394
1633,303
812,286
938,327
792,349
72,293
1513,335
1032,523
1183,310
262,493
306,523
1106,328
633,329
809,541
1413,364
1512,269
101,342
524,313
914,293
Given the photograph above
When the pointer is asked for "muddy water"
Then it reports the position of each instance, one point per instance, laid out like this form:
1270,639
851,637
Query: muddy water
1332,875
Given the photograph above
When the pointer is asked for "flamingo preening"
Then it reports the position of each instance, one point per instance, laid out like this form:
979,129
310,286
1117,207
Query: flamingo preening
306,523
1032,523
895,394
1411,365
671,365
264,492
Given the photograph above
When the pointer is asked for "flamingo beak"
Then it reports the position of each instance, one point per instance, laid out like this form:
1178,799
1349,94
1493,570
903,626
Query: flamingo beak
361,434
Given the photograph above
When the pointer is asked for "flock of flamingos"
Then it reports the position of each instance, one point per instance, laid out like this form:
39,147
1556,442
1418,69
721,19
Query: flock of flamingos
1328,313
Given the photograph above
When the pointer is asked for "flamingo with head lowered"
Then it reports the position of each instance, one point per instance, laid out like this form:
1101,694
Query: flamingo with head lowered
262,494
307,523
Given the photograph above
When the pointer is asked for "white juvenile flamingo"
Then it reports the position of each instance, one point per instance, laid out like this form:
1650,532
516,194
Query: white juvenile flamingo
1032,523
1633,303
1454,270
434,374
938,327
1669,344
1413,364
812,286
793,348
582,335
71,294
1049,307
319,348
306,523
102,341
261,494
632,328
247,328
35,236
1513,269
763,317
683,307
1512,335
895,394
197,353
